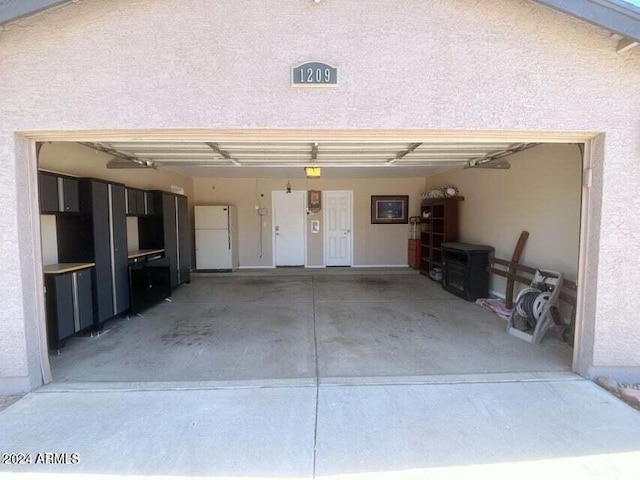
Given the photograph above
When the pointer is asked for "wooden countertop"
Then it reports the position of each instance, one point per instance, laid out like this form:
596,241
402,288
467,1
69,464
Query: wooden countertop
144,253
58,268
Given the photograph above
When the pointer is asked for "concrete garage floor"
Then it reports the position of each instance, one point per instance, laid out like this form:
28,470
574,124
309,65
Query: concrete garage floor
255,407
256,329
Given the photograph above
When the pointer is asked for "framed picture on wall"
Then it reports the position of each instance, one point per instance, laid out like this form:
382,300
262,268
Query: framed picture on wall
314,200
389,208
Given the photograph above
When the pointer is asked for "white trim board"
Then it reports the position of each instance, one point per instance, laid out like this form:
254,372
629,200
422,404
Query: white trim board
324,266
406,265
307,135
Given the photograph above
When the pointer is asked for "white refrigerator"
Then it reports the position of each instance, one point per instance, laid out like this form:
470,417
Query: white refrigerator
216,237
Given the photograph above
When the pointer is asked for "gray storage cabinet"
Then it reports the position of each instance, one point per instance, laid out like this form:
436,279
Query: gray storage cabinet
58,193
69,305
106,245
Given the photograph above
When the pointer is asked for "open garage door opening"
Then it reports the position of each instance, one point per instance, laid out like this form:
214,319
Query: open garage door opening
289,260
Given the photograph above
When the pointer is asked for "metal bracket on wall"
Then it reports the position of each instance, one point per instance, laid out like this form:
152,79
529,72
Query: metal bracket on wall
404,153
493,165
223,153
490,159
122,161
122,164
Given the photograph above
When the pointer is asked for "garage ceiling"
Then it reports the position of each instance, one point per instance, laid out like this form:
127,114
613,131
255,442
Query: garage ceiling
281,158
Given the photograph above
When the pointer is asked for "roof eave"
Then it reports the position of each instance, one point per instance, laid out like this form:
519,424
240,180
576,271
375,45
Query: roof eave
11,10
613,15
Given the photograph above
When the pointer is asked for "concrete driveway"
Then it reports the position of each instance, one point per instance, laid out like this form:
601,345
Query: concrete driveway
492,427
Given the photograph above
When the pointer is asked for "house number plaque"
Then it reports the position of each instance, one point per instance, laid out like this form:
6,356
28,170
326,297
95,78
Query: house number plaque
314,74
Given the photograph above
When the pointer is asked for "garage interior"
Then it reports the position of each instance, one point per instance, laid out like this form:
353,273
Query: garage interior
304,298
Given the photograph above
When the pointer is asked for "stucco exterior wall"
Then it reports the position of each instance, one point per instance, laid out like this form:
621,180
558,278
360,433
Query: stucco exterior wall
432,65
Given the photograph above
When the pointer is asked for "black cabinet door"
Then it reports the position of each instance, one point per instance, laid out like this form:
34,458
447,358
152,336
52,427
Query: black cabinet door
64,305
140,202
149,203
132,201
84,286
59,307
70,197
48,189
184,240
99,203
150,283
151,227
120,260
170,235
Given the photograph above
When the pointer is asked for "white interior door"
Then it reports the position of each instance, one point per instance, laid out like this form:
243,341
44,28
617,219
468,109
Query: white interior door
289,228
338,228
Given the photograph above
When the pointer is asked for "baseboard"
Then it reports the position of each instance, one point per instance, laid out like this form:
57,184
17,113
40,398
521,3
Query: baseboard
250,267
406,265
495,294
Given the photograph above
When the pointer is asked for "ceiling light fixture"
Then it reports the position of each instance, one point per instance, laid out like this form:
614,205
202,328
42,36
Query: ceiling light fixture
313,172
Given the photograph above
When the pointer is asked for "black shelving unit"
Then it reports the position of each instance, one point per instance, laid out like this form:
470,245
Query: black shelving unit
439,224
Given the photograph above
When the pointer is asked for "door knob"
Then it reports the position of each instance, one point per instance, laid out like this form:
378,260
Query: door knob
347,232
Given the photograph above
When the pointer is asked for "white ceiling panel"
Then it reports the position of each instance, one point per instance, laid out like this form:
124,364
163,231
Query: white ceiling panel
282,158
